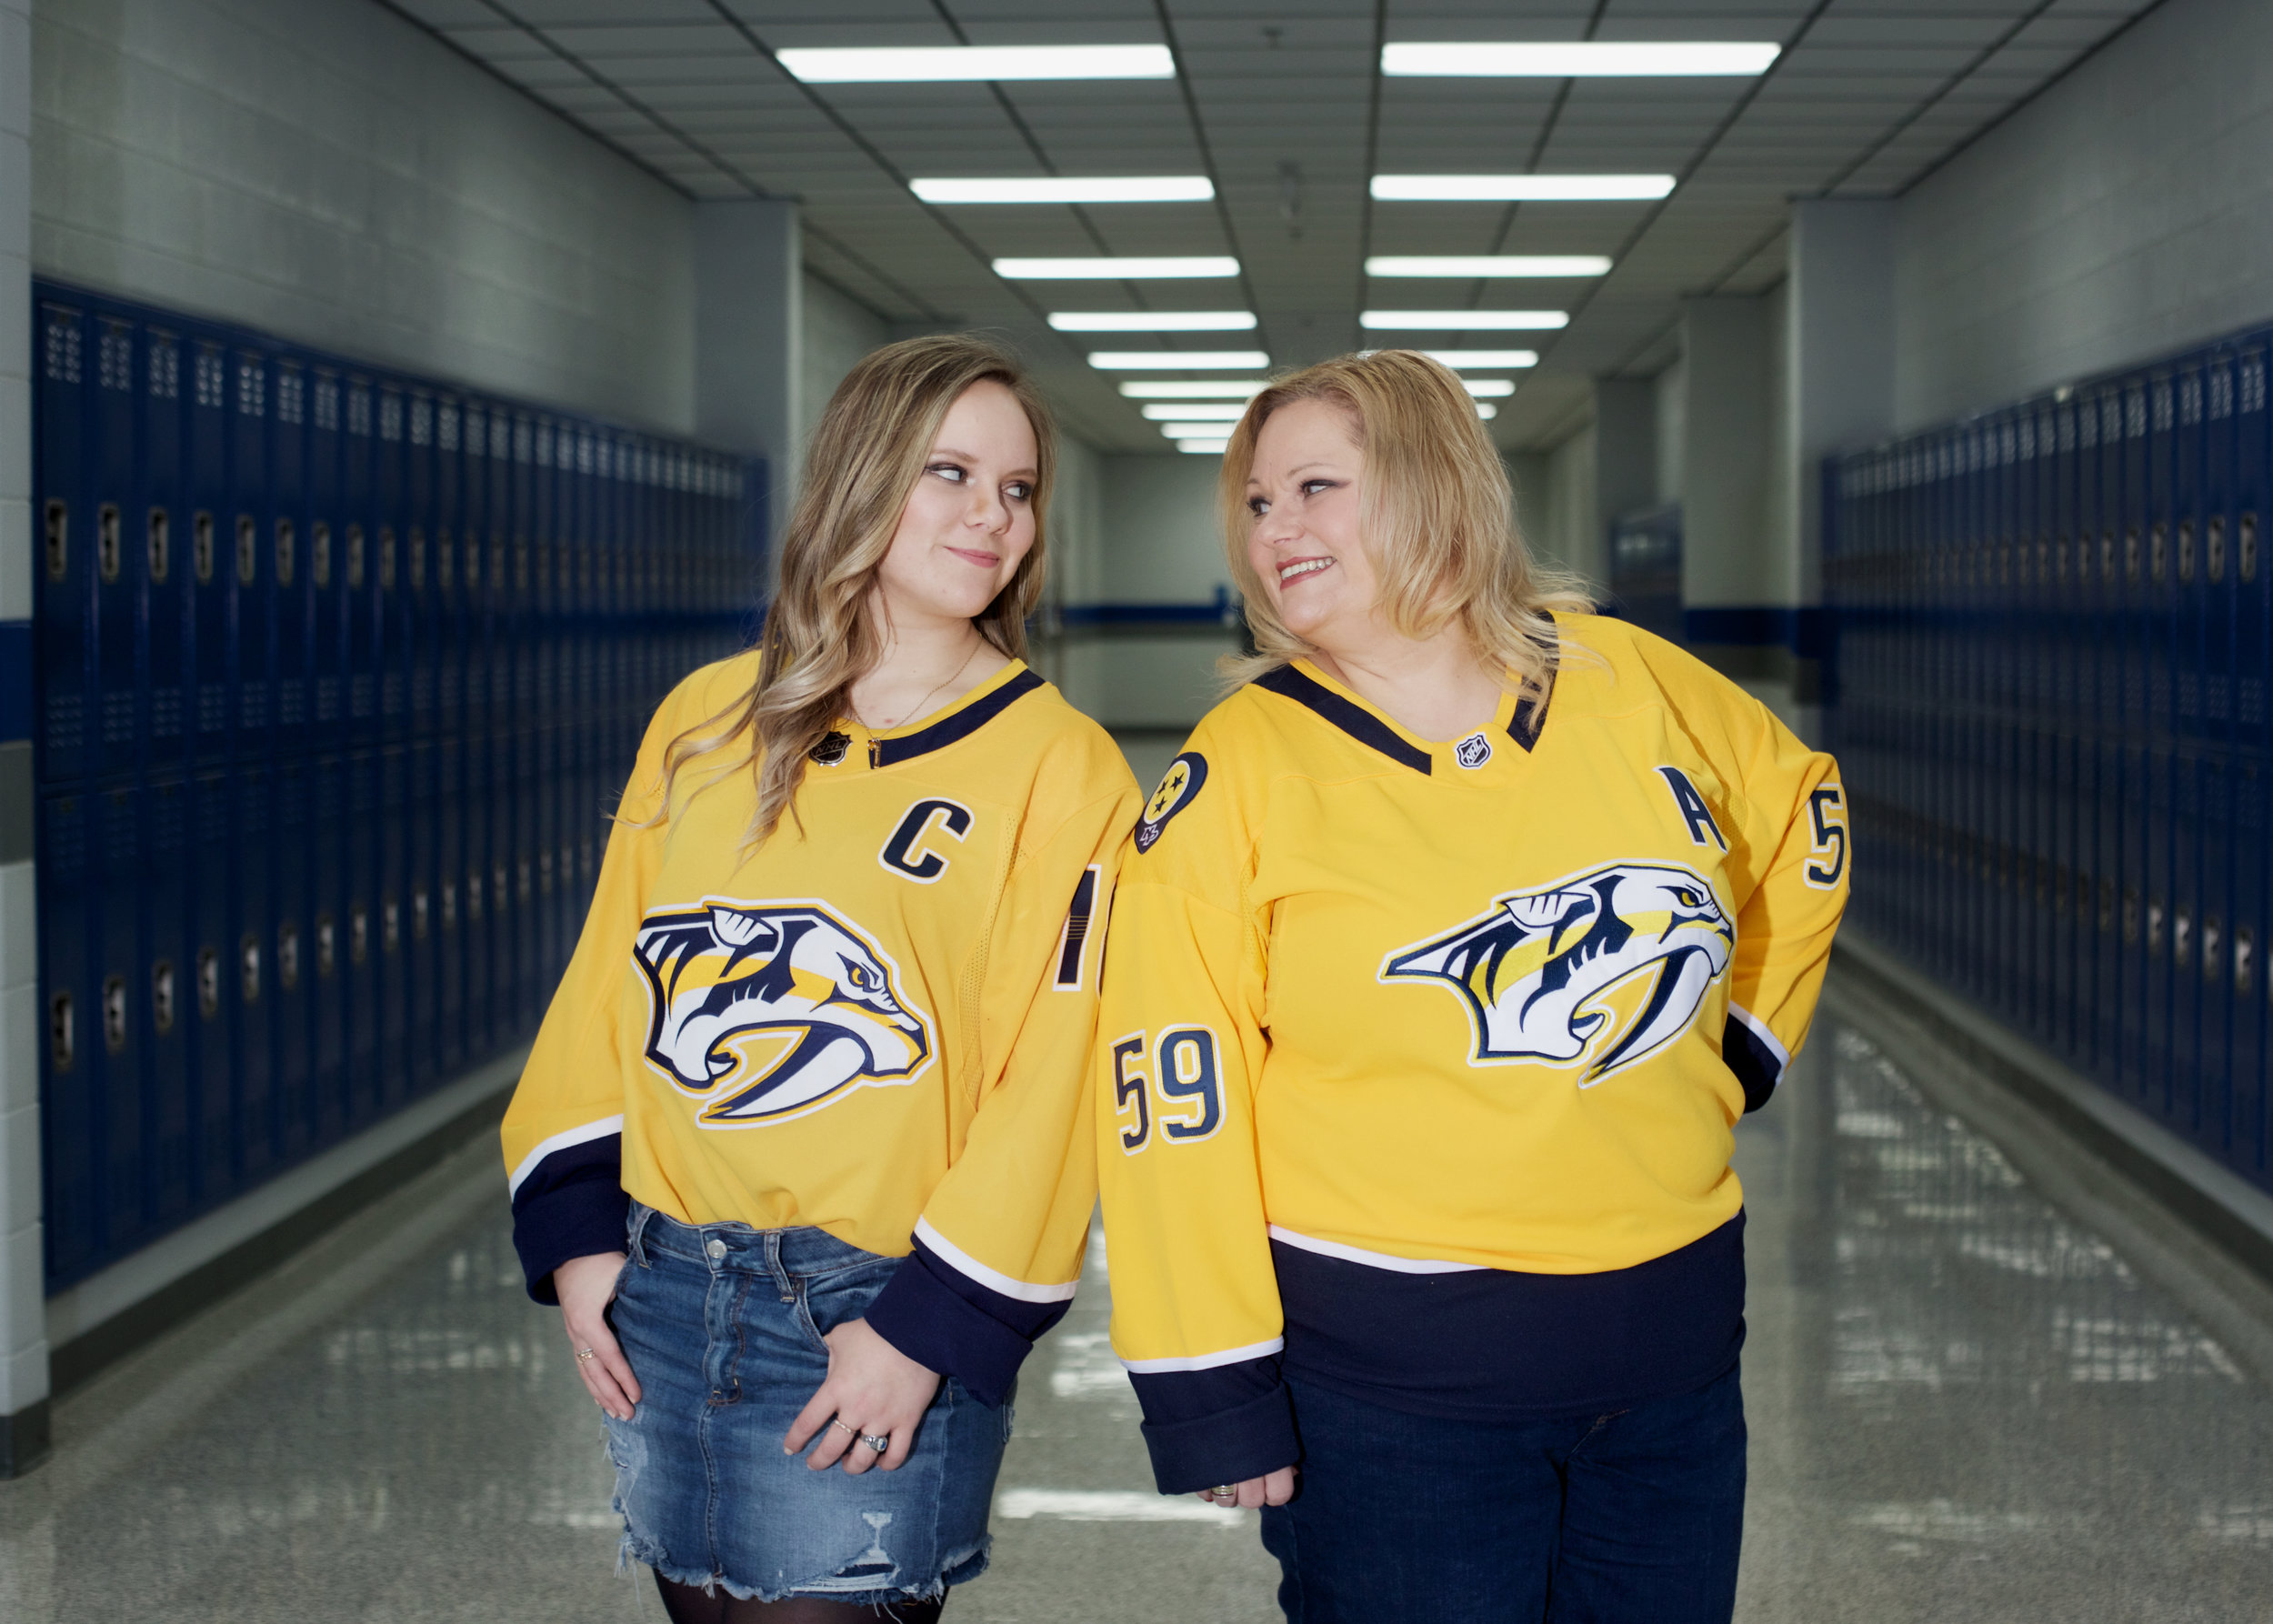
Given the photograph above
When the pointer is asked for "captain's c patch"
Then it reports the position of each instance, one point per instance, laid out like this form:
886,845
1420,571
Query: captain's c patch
1179,787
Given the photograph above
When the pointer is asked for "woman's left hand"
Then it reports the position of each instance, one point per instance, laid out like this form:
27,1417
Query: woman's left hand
872,1388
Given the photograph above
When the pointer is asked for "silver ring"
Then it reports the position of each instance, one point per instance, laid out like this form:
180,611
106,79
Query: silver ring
1223,1491
850,1430
879,1442
586,1354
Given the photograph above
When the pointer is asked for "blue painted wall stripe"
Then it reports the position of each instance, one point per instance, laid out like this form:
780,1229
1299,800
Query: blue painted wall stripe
16,680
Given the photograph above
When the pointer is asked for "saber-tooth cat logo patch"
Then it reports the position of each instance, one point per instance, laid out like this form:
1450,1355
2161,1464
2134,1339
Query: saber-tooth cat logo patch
1600,969
770,1009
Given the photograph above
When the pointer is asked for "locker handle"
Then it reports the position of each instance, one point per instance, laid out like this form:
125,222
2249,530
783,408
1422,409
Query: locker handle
58,534
201,547
161,551
108,543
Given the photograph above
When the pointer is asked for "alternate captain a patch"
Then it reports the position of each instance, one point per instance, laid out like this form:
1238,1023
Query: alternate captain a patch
766,1010
1179,787
1600,969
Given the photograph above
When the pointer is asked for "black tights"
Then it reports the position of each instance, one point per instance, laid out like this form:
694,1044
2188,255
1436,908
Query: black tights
691,1604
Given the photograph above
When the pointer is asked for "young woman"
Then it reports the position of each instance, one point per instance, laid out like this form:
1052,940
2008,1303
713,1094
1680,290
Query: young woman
1449,951
804,1148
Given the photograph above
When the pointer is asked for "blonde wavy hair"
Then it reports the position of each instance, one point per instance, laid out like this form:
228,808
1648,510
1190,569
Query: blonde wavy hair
1436,517
866,455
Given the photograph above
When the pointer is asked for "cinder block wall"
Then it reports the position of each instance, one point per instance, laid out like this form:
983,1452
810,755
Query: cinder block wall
2126,212
326,170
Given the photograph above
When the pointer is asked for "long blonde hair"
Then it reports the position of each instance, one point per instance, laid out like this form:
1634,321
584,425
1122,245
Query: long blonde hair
1436,516
866,456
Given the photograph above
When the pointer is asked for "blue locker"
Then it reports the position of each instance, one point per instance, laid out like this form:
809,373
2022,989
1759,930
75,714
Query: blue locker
450,927
252,506
389,600
164,524
360,868
67,616
164,988
70,983
212,550
394,891
256,1123
335,947
117,1020
293,955
121,563
212,990
327,586
484,788
419,602
359,514
297,601
422,1022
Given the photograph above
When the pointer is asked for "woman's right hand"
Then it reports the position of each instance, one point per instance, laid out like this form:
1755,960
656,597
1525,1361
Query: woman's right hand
586,1285
1274,1490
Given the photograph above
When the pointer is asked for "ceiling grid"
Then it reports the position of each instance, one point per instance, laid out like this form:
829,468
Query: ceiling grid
1283,104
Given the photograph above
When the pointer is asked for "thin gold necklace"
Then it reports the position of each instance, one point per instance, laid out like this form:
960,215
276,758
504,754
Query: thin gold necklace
916,709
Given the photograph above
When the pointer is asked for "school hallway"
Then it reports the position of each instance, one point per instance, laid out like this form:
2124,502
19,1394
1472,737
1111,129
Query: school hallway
1982,1384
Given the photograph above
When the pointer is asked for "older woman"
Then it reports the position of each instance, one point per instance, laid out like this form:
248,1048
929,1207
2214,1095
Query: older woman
1447,955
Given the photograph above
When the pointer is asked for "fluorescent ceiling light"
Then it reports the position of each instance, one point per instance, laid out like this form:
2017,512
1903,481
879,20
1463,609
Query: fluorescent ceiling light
1153,321
1207,389
905,64
1193,411
1458,358
1482,321
1487,265
1101,267
1519,188
1487,410
1203,447
1489,385
1193,431
1170,360
1102,188
1580,59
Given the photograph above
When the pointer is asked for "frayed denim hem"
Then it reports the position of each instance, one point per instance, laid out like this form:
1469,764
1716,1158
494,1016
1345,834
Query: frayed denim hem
961,1567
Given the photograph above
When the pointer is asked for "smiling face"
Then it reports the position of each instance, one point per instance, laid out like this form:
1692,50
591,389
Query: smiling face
1302,501
970,521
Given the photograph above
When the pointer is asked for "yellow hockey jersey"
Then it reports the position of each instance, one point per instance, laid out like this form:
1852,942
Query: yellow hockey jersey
878,1023
1418,1061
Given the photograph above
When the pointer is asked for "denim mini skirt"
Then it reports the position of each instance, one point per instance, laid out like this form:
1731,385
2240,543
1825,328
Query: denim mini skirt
722,1324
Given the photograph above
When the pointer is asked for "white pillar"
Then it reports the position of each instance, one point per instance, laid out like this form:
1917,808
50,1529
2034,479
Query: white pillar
1731,582
1839,360
23,1295
749,322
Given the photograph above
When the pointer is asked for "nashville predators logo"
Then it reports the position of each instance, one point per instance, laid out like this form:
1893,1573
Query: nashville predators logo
1601,969
771,1010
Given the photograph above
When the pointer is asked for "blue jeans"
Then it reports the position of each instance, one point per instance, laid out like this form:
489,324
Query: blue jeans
1633,1517
723,1326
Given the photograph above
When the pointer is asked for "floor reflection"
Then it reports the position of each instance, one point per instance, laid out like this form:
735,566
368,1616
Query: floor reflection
1965,1405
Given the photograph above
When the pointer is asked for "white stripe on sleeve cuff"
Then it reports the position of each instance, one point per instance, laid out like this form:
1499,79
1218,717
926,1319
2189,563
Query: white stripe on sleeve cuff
1204,1361
565,1140
1758,1028
994,1280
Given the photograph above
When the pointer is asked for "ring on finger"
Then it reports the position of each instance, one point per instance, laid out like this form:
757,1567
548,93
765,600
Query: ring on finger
585,1356
879,1442
846,1427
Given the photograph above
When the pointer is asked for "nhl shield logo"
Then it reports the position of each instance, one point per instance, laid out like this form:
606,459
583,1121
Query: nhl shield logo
1473,751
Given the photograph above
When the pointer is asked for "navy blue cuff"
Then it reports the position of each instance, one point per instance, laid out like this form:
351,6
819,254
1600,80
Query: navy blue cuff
1228,1447
926,1312
1754,1063
574,1219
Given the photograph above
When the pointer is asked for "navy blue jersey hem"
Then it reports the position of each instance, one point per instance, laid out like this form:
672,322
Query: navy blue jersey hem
958,1328
1492,1345
1227,1447
573,1219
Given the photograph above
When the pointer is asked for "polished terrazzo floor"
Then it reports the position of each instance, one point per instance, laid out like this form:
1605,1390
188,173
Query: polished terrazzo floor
1966,1404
